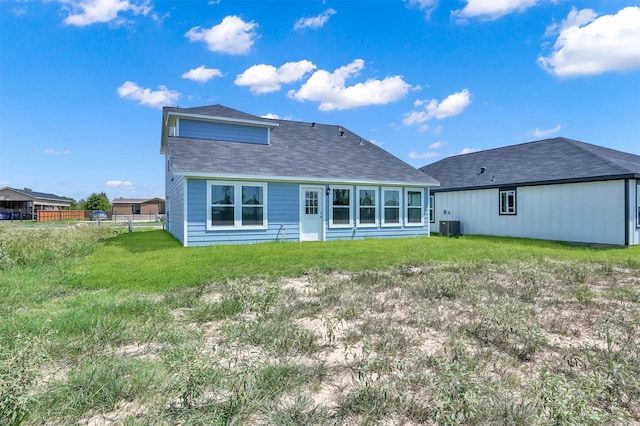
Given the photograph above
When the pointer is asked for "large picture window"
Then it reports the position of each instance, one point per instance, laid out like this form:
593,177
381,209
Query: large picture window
508,201
236,205
391,206
341,207
367,202
415,208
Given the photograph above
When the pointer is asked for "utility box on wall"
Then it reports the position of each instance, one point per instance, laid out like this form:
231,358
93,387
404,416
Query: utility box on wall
450,228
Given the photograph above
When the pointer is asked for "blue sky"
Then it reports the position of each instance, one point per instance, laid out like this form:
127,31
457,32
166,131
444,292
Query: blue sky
82,82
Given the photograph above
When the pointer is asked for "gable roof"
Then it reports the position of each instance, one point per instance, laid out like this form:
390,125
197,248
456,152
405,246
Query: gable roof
297,151
557,160
121,200
39,196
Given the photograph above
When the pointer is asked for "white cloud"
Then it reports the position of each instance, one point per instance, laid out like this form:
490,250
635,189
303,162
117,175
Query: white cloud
51,151
314,21
267,78
452,105
154,99
202,74
492,9
427,5
423,155
87,12
589,46
271,115
438,145
541,133
469,150
331,91
232,35
576,18
119,183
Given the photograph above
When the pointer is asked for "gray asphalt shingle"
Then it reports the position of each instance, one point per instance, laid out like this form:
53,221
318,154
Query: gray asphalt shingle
546,161
296,150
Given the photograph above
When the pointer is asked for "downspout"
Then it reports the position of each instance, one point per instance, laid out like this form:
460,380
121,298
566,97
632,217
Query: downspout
627,204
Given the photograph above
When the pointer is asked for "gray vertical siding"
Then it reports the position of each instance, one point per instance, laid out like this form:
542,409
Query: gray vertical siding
222,132
588,212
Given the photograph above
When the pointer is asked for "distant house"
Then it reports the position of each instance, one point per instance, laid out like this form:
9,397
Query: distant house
138,206
232,177
25,203
554,189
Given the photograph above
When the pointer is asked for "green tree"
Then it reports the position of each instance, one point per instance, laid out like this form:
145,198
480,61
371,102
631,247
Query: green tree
97,202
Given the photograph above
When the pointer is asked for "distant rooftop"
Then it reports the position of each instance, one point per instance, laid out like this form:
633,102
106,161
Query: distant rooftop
540,162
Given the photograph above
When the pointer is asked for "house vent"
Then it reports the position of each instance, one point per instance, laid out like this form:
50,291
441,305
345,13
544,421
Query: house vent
172,131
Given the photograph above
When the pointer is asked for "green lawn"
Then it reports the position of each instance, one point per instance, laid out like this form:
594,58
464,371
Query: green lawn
154,260
99,326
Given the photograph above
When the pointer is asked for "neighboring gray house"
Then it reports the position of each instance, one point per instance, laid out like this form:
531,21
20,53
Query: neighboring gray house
232,177
554,189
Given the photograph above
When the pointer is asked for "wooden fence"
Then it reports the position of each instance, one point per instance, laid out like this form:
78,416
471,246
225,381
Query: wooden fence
49,215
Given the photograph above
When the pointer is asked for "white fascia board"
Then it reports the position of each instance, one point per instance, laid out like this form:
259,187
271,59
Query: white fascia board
303,179
217,119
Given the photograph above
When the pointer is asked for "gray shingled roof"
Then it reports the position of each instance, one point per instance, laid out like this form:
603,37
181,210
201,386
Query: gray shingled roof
39,195
296,150
214,111
554,160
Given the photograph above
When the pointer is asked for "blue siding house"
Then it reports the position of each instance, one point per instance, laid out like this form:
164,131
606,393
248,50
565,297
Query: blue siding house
232,177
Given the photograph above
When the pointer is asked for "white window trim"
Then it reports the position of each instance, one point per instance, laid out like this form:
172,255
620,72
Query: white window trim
351,195
432,211
375,206
237,205
406,207
501,208
382,207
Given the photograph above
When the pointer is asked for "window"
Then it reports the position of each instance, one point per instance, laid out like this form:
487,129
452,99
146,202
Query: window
414,210
311,202
341,207
236,205
432,204
508,201
367,201
391,203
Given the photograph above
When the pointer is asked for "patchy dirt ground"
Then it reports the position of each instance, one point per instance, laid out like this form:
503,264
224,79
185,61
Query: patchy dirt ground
432,344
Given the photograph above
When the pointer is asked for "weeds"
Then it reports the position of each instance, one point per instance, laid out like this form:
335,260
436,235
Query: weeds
360,339
19,371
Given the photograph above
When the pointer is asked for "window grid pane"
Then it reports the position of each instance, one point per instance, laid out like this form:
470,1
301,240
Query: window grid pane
311,202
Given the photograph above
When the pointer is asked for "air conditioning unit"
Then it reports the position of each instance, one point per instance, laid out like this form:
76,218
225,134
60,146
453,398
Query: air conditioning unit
450,228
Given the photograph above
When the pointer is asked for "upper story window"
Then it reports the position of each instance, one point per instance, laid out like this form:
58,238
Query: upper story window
236,205
432,205
341,205
391,206
507,201
414,207
367,202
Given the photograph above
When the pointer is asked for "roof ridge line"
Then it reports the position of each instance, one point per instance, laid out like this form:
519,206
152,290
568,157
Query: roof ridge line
580,145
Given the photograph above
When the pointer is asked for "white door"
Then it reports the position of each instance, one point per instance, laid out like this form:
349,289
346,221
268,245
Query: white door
311,209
